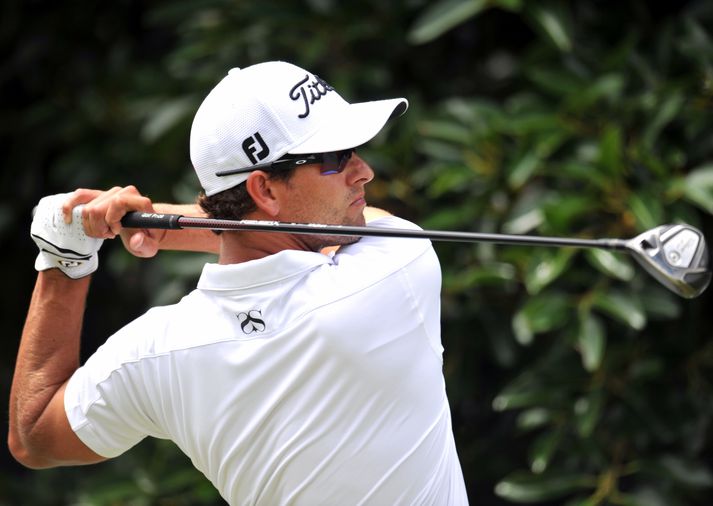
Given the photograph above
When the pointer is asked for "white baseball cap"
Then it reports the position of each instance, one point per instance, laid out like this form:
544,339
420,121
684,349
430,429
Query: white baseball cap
258,114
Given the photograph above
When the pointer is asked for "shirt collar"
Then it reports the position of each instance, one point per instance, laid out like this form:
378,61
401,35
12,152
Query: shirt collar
263,271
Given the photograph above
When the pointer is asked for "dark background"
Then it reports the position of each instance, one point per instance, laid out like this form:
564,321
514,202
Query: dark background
574,378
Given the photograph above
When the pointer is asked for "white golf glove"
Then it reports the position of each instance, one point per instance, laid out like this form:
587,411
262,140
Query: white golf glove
62,246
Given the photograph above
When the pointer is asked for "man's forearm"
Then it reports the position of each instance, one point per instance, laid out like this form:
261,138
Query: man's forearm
205,240
187,240
47,357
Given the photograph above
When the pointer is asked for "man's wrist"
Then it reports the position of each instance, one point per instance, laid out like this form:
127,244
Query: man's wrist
186,240
56,278
182,209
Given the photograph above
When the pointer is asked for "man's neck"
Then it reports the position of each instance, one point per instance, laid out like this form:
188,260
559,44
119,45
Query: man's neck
238,247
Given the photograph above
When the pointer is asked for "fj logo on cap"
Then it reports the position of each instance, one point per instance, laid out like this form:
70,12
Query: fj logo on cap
309,92
251,146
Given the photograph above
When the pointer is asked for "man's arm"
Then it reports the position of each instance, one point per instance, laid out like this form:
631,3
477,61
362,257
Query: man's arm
146,243
103,211
39,433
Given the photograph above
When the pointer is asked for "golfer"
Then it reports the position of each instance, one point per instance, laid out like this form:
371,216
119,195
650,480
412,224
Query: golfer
292,374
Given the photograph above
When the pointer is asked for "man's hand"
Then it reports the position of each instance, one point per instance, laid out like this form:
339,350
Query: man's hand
102,213
103,210
63,245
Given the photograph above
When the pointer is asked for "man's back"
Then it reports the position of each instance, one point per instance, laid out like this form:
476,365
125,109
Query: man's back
294,379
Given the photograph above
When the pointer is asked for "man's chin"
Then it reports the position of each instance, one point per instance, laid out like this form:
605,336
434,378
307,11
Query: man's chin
326,241
320,243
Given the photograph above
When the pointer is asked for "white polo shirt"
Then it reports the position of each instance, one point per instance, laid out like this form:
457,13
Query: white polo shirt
293,379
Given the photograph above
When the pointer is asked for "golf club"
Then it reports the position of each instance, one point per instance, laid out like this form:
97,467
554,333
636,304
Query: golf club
676,255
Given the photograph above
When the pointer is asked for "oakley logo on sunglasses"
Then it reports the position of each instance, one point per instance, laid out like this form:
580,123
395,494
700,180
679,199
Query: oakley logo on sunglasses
309,92
251,150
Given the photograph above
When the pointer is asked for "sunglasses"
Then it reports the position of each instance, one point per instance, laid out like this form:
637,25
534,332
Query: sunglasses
332,162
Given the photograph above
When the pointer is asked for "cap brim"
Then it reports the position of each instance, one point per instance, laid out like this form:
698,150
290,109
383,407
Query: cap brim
353,126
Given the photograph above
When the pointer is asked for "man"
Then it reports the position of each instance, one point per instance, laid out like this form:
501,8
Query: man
289,376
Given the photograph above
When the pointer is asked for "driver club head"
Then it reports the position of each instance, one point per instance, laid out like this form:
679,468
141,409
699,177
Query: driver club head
676,255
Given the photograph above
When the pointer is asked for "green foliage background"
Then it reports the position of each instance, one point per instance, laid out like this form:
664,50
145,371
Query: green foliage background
573,377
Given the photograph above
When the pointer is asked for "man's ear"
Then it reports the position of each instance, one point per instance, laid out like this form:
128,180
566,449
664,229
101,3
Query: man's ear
261,189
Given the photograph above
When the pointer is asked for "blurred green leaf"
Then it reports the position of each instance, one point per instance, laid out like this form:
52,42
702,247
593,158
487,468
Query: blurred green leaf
493,273
551,18
621,307
545,266
646,209
543,449
441,17
167,116
647,369
660,303
448,218
666,111
531,122
526,214
457,179
522,169
541,313
446,131
591,340
698,187
611,151
581,170
525,220
480,114
525,392
687,472
612,265
512,399
530,488
441,151
588,411
606,87
649,496
561,211
533,418
113,493
557,81
512,5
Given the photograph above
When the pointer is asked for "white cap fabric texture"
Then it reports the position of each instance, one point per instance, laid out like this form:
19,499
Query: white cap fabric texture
258,114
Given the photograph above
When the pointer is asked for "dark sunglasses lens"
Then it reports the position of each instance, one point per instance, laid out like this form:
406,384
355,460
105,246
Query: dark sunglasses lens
334,162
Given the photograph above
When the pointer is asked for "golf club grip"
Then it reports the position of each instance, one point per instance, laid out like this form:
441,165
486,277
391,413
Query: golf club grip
151,220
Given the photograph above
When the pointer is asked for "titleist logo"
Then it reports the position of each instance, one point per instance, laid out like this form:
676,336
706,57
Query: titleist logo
309,92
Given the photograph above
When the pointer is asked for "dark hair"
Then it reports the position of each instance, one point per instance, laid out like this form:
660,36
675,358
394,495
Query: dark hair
235,203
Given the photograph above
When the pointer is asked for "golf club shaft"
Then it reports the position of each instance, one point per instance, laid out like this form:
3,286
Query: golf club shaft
175,222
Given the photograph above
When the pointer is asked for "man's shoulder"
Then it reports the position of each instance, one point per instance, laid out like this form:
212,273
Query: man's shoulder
193,321
390,252
392,221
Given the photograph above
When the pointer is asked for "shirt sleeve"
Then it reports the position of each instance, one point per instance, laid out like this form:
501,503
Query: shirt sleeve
107,401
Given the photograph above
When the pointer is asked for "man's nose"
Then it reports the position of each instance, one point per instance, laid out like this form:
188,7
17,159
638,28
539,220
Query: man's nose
358,170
